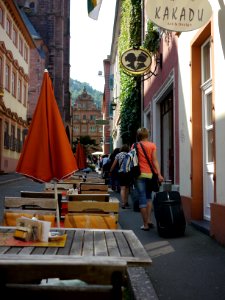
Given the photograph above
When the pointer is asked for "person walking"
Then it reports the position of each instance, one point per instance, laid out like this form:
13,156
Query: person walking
124,178
114,181
142,182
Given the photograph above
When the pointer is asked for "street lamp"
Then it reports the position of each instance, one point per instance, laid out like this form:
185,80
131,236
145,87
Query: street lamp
114,103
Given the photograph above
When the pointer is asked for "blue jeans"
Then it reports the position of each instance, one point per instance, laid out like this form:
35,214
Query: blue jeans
144,193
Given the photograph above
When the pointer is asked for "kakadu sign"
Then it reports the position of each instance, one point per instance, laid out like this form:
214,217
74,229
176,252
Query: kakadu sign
179,15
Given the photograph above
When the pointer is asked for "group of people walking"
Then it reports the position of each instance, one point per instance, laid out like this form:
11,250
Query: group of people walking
146,150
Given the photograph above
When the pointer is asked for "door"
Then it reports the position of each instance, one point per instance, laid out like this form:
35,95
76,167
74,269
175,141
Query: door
167,148
207,129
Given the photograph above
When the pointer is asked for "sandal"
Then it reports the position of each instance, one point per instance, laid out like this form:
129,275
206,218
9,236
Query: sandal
144,228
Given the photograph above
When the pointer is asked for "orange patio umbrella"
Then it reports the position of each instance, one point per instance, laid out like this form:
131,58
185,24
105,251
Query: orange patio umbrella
80,157
47,155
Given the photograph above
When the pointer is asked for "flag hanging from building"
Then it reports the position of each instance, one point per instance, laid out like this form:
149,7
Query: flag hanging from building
93,8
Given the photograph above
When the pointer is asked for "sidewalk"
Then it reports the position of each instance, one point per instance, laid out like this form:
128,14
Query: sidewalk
190,267
186,268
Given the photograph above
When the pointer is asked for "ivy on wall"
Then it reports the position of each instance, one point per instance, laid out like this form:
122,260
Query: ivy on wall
130,93
130,86
152,38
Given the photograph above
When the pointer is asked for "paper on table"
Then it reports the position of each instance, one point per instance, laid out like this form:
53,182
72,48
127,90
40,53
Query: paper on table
45,229
39,229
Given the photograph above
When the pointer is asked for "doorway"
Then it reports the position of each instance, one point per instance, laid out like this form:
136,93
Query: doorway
167,147
207,128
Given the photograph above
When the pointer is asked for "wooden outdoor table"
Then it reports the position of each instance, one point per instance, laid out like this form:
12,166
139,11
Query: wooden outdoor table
99,258
97,244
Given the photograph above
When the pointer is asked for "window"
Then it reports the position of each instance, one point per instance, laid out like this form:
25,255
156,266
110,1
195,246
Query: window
209,127
84,117
8,27
207,100
76,117
13,84
93,129
206,62
20,45
92,117
15,37
25,95
6,135
19,90
7,77
13,139
18,141
1,16
1,70
26,53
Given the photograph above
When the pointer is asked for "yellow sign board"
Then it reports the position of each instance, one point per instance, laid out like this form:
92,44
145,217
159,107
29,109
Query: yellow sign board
136,61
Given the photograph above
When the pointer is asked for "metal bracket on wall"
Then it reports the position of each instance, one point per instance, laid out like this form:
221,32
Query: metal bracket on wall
149,74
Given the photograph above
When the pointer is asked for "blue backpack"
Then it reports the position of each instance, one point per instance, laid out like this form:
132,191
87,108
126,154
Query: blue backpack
129,163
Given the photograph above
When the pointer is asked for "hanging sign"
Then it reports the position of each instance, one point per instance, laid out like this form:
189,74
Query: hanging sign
101,122
179,15
136,61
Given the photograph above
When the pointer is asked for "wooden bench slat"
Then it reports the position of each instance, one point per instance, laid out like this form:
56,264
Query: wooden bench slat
27,270
94,197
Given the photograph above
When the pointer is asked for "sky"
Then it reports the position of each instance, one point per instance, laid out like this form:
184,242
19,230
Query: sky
90,41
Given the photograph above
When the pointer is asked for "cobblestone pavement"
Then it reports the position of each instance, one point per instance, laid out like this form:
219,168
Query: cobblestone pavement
186,268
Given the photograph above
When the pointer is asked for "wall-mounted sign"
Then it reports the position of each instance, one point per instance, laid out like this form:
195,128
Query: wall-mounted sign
101,122
136,61
179,15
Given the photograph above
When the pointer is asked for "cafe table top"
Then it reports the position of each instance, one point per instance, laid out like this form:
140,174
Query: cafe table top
95,244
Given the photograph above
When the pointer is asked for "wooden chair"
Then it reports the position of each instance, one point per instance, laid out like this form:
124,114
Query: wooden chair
99,279
15,207
93,188
92,214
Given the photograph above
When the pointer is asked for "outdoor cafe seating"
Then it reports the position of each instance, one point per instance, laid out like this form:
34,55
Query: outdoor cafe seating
42,208
92,214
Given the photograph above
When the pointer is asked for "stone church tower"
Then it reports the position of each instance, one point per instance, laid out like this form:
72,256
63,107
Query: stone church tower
51,19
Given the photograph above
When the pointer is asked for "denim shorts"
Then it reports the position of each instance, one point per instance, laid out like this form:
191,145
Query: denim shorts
144,192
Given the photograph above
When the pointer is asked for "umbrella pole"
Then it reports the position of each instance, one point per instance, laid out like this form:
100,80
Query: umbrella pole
57,206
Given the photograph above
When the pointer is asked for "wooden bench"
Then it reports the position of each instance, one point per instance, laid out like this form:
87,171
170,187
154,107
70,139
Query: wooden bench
46,194
89,197
93,188
92,214
60,185
95,180
100,279
43,208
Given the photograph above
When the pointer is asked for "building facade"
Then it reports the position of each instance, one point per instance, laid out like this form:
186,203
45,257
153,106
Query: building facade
202,122
51,20
15,46
106,109
183,108
85,114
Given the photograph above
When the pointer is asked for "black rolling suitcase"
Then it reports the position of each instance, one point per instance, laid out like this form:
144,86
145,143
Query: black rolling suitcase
169,214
